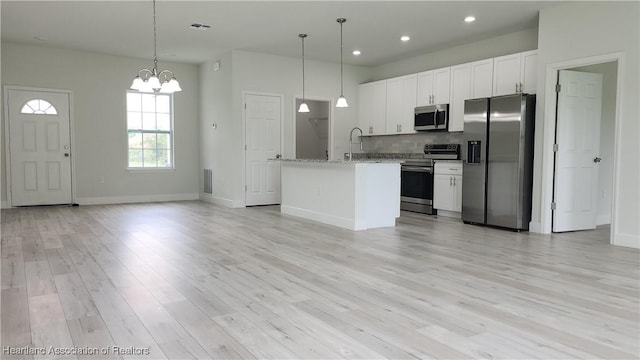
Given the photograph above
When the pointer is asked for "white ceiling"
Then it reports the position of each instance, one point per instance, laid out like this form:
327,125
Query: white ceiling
374,27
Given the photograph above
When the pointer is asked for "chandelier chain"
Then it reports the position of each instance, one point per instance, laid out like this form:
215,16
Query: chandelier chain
155,41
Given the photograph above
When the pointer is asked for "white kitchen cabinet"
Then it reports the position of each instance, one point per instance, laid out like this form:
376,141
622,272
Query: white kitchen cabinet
372,104
447,186
515,73
434,87
401,103
460,91
529,71
481,78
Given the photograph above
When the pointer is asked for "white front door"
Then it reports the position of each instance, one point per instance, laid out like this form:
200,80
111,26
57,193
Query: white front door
576,160
40,147
262,119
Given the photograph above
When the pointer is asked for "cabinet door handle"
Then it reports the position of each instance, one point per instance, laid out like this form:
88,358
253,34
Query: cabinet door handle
454,181
516,88
520,88
450,181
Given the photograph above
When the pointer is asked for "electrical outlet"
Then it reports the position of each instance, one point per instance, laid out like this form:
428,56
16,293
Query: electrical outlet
101,179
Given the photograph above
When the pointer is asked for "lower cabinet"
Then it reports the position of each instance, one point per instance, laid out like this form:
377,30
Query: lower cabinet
447,187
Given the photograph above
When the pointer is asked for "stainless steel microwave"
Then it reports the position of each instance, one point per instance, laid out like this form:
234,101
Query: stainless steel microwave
432,118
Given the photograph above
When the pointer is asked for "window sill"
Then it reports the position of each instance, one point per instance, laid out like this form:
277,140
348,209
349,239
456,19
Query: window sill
150,170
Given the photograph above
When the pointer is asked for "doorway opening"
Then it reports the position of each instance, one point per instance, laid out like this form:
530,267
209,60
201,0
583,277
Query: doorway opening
584,159
312,130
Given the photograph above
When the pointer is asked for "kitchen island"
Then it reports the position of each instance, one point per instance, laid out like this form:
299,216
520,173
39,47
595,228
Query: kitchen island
355,195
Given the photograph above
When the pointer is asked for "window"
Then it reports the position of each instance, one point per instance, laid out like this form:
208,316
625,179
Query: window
150,130
39,106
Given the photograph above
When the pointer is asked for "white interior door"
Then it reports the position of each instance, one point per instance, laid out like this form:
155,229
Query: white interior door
40,147
576,160
263,121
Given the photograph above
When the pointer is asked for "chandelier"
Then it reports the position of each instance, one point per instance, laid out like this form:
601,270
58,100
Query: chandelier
153,80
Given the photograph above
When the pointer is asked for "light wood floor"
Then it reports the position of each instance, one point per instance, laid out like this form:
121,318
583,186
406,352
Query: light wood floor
193,280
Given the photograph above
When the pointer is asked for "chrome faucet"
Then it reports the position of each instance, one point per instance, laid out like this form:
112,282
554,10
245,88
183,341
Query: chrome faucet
351,141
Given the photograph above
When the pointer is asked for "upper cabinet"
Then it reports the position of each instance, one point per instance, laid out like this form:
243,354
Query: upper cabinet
386,107
372,104
434,87
460,91
481,78
516,73
468,81
401,103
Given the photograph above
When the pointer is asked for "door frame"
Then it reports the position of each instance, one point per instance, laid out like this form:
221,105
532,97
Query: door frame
6,139
329,127
244,134
549,137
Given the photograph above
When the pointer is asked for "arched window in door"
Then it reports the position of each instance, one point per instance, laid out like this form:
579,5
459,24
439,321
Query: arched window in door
39,106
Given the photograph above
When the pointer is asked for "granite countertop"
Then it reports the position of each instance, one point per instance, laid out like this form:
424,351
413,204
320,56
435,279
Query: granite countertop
354,161
365,158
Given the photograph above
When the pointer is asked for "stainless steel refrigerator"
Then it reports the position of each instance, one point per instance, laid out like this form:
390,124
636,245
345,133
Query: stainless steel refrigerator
498,163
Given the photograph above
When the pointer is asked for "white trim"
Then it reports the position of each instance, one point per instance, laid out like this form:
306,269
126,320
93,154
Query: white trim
7,155
449,214
627,240
137,199
342,222
234,204
535,227
548,134
244,136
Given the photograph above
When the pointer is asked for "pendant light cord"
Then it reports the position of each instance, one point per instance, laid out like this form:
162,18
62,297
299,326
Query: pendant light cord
302,68
341,72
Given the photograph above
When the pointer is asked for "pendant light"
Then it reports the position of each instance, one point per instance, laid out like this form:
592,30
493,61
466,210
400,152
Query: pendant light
304,108
342,101
152,80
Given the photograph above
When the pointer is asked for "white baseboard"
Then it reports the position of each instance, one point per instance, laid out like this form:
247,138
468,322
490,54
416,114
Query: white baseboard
450,214
222,201
320,217
4,205
603,219
627,240
535,227
136,199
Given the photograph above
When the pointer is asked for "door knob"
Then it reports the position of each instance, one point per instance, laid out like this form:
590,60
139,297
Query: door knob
278,156
66,154
597,160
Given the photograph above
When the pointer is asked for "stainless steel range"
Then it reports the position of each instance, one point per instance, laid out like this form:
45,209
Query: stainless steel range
416,190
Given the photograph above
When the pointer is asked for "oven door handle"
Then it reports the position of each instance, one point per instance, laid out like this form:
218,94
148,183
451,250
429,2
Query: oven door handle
418,169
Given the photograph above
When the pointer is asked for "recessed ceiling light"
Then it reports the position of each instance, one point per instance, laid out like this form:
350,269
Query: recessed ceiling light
405,38
356,52
469,19
41,38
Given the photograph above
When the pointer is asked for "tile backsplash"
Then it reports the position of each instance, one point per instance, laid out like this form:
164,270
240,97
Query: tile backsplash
411,143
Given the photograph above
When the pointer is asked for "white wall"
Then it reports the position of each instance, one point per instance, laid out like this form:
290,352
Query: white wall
99,83
484,49
580,30
215,108
609,73
312,140
264,73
